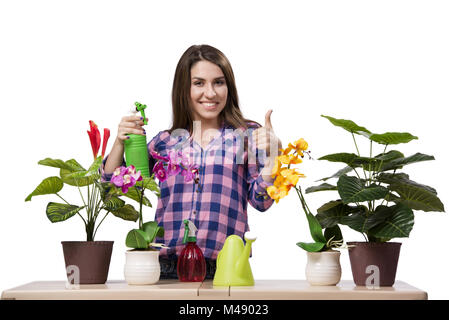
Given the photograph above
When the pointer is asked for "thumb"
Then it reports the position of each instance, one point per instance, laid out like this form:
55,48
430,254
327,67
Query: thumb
268,119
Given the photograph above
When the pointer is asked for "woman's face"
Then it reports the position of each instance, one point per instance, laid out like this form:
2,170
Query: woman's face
208,90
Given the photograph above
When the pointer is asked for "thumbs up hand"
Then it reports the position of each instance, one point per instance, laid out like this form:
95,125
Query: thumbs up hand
268,141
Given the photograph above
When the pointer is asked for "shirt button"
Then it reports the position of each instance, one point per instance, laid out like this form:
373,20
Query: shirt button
194,211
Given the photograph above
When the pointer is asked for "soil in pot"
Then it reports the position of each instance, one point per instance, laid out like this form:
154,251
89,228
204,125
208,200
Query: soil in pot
374,264
90,258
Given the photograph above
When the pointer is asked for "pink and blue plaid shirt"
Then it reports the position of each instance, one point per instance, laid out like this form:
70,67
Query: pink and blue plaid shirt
229,178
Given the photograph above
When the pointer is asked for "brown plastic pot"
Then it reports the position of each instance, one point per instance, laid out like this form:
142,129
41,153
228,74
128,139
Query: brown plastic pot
87,262
374,263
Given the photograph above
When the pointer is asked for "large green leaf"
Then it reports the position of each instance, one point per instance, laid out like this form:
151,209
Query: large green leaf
56,163
311,247
76,176
400,162
137,239
57,212
152,230
113,203
392,137
352,190
126,212
50,185
416,196
363,221
330,214
348,125
397,225
390,155
321,187
344,157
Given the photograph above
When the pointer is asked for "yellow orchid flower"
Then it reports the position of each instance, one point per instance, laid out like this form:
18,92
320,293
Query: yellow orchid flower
290,159
300,146
277,193
291,176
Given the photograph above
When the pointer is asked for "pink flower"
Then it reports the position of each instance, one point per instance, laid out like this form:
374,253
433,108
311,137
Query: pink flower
156,156
159,171
125,177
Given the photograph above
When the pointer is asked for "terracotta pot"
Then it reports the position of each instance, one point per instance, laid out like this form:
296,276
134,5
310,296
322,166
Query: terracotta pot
87,262
323,268
374,264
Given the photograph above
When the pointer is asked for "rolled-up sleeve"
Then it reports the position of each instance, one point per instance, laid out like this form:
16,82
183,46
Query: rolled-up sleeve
257,186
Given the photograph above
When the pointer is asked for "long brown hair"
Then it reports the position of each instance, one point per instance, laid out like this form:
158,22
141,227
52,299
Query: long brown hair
182,114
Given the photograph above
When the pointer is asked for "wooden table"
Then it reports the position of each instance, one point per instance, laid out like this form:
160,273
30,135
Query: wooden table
175,290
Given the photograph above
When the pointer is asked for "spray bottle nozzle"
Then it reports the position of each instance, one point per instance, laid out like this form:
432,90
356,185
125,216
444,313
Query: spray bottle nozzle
189,232
141,107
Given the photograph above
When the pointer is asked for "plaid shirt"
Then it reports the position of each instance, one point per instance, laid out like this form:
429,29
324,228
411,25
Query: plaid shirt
229,178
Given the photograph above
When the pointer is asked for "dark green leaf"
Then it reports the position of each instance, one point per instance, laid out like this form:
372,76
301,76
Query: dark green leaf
126,212
392,137
330,214
113,203
311,247
400,162
321,187
363,221
417,197
333,233
344,157
397,225
137,239
347,125
57,212
50,185
352,190
390,155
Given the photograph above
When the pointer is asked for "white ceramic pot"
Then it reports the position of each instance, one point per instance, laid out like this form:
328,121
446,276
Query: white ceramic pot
323,268
142,267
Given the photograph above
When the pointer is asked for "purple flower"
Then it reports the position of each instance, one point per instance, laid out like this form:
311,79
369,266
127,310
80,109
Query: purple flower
156,156
159,171
125,177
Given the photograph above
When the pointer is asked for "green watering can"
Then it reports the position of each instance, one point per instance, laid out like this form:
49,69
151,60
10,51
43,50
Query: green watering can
233,268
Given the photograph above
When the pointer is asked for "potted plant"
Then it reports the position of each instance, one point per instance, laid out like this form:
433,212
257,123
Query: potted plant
142,261
377,199
323,262
90,259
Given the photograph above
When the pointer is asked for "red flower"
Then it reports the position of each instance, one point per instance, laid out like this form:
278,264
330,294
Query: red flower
95,138
106,135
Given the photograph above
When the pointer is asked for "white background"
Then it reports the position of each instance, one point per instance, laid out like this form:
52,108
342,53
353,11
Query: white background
382,64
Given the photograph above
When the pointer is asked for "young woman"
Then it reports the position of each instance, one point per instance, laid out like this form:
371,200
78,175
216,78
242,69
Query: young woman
228,149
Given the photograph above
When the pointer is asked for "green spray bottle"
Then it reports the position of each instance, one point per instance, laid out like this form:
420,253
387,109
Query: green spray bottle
136,150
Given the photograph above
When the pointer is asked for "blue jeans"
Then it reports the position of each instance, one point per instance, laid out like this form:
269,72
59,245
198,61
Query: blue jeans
169,268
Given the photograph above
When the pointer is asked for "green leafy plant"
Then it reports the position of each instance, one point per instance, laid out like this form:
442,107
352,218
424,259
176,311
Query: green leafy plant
377,199
98,196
